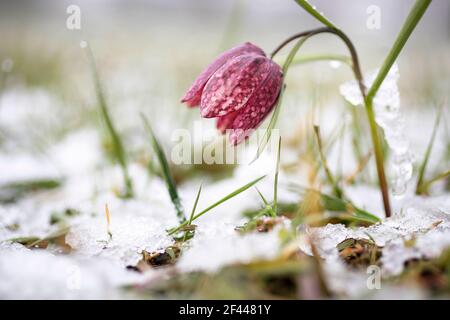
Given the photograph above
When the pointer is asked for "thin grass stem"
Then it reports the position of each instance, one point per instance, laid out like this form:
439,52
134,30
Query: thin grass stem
167,175
267,206
275,183
317,58
227,197
336,190
408,27
426,186
119,151
194,207
426,157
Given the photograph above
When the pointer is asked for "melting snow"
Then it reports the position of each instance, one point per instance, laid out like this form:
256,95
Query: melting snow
38,274
425,221
135,227
388,116
219,244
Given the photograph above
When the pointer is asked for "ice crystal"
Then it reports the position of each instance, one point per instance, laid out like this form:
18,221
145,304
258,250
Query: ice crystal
427,223
219,244
134,227
388,116
27,274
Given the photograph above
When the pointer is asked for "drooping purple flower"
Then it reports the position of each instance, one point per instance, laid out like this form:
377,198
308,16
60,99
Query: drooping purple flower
239,88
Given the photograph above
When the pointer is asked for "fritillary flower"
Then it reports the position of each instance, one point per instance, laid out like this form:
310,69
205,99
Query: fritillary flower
239,89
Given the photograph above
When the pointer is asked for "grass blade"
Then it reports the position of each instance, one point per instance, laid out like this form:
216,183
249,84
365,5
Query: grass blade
332,203
336,190
408,27
191,217
170,183
426,157
275,183
32,241
190,233
267,206
426,186
316,14
118,149
227,197
319,57
361,166
335,204
13,191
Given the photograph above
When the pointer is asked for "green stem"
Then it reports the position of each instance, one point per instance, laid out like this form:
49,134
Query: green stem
370,113
379,159
336,190
426,186
229,196
193,212
318,57
410,23
413,18
267,206
316,14
423,166
275,184
357,133
165,170
376,141
119,151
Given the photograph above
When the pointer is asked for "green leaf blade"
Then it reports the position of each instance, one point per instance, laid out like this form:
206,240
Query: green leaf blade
214,205
168,179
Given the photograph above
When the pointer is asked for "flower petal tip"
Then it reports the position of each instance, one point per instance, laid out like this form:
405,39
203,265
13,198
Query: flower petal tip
191,103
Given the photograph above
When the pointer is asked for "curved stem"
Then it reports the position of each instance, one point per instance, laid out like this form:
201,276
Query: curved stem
368,103
354,56
296,36
318,57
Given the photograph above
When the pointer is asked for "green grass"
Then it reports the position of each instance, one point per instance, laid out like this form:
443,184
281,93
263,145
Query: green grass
219,202
426,157
165,170
331,180
117,144
267,207
190,233
12,192
346,210
275,183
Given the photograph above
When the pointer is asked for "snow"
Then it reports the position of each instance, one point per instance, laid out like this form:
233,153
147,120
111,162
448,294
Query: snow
79,152
135,227
23,167
426,221
39,274
388,116
219,245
